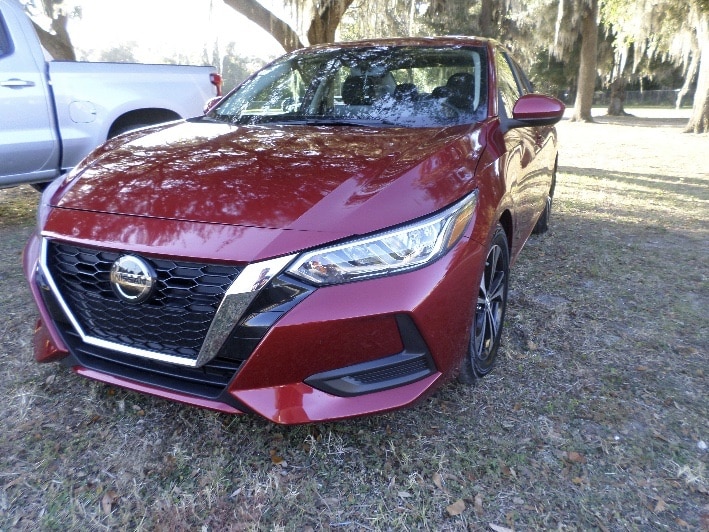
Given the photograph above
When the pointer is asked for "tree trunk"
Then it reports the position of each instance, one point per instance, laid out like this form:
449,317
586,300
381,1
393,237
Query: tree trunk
692,70
325,21
699,122
279,30
322,28
486,18
587,67
616,106
58,44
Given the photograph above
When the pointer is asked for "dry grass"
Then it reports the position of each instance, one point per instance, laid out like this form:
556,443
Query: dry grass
594,419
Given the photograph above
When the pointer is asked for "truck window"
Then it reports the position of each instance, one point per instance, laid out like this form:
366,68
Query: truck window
5,46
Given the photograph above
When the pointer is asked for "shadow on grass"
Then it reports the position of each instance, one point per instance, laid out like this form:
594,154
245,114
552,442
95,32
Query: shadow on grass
689,187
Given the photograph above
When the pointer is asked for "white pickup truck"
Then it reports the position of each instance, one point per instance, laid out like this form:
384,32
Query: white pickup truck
52,113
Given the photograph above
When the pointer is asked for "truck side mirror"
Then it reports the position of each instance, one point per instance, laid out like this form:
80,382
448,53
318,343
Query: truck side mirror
211,104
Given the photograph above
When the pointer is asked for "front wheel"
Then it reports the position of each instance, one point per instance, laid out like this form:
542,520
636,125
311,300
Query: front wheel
486,329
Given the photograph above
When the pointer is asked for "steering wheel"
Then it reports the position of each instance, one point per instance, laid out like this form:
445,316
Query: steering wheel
449,111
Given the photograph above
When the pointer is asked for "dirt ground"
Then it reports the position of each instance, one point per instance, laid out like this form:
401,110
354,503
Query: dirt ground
596,417
647,142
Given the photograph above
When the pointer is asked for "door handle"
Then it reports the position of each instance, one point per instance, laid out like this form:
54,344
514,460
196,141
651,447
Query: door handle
15,83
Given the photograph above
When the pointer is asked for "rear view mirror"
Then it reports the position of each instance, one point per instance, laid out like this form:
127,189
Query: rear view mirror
211,104
537,110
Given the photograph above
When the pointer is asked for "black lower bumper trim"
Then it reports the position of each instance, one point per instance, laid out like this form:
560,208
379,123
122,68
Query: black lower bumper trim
412,364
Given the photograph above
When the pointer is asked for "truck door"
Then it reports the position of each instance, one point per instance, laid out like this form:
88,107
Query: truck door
29,146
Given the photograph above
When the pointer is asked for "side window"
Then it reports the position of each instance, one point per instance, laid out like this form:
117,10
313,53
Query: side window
281,95
506,84
522,79
5,46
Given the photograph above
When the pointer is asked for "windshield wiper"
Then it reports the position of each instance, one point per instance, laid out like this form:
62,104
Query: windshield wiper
357,122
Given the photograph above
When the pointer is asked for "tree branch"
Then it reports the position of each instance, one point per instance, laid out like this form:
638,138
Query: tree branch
58,45
325,21
280,30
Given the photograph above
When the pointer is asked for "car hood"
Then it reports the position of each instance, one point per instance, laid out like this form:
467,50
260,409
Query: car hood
339,180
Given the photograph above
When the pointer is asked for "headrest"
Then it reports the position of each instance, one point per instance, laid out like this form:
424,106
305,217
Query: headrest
405,91
356,91
461,87
363,90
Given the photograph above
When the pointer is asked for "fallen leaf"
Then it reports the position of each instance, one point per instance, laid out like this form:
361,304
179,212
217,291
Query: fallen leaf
575,457
660,437
109,501
438,480
276,459
330,501
404,494
457,508
13,482
479,504
660,507
704,520
498,528
508,471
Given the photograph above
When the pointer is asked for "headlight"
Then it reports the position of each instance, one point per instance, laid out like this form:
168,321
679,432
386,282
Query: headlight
43,207
388,252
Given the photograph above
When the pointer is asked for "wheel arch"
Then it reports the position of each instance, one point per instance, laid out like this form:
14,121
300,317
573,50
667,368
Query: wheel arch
553,176
507,225
140,117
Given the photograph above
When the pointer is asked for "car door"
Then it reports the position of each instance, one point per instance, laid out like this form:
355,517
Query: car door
29,147
519,165
540,175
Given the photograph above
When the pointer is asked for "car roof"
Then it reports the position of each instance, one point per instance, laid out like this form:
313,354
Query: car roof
449,40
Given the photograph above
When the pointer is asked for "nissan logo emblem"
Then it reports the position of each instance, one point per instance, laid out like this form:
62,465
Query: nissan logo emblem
132,279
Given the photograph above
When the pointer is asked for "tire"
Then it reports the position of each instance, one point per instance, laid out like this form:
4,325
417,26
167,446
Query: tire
542,225
489,317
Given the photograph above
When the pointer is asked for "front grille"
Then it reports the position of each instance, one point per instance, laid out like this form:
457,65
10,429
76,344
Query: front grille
174,321
208,381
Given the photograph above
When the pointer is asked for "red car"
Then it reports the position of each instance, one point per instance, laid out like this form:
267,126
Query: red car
332,239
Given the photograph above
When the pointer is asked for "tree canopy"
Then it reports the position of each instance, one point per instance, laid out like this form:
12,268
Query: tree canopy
590,41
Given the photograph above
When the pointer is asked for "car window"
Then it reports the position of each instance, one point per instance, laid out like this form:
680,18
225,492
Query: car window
5,46
277,94
410,86
507,87
522,79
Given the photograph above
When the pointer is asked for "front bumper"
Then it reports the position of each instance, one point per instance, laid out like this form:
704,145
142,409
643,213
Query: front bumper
349,350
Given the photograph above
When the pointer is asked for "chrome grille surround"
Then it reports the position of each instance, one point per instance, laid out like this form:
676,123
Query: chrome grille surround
231,303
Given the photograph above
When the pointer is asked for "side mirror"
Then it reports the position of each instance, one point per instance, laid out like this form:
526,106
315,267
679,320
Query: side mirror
537,110
211,104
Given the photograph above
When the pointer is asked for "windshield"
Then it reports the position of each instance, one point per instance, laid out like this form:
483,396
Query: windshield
411,86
